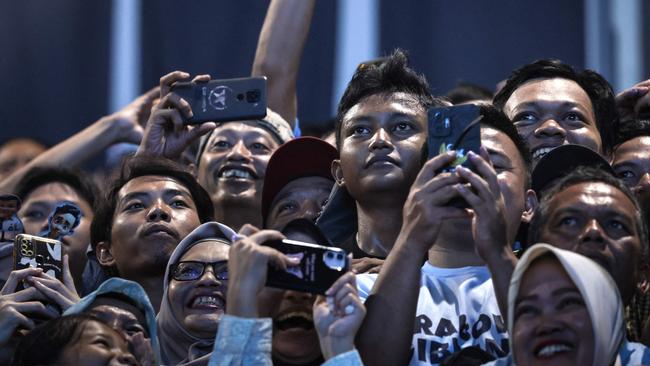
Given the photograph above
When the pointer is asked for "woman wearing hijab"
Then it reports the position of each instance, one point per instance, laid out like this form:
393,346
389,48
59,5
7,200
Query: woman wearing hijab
563,309
124,306
194,295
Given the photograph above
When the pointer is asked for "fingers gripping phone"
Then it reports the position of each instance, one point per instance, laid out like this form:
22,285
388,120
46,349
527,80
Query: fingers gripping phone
455,128
319,267
38,252
224,100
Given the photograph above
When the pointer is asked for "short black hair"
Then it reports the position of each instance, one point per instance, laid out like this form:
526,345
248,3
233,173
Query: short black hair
40,176
597,88
465,92
580,175
629,130
100,228
50,339
495,118
390,75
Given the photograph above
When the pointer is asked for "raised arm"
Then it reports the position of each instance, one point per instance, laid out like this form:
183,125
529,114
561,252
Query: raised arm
125,125
386,334
279,50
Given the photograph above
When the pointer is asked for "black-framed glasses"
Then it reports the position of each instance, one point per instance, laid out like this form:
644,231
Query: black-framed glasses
193,270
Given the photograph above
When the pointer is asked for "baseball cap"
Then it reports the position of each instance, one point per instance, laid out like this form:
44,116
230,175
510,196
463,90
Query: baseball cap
561,161
298,158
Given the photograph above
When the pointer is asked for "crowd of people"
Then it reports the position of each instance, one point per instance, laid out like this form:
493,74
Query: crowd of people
164,259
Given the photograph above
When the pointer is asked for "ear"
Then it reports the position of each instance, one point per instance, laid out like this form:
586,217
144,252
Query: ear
337,172
643,277
104,254
530,206
194,170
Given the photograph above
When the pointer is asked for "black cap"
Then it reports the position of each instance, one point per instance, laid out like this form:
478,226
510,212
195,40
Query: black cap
561,161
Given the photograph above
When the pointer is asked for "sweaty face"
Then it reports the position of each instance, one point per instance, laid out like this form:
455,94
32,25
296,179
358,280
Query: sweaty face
382,138
96,345
233,164
553,112
302,198
598,221
199,304
631,162
552,323
152,215
38,206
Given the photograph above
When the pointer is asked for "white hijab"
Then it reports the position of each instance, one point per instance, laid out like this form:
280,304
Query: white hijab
598,290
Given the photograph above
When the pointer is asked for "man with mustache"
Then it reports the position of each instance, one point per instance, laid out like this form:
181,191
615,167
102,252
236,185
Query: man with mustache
148,209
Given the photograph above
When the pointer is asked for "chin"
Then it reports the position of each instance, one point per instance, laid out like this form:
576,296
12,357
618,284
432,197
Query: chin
297,351
203,325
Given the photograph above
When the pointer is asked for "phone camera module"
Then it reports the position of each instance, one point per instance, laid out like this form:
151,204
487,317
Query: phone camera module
253,96
240,97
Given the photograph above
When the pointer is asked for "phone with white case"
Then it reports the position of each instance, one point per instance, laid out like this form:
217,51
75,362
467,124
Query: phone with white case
38,252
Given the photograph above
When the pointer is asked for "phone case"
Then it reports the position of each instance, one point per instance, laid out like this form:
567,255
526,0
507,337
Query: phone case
224,100
35,251
320,266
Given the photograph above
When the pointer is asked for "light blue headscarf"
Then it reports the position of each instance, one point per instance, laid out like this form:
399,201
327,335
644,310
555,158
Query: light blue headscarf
134,292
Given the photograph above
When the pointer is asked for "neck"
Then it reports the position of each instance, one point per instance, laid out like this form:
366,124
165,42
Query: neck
154,288
379,226
236,213
454,247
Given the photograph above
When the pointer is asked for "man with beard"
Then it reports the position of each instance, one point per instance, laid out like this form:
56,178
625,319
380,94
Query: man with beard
551,104
148,209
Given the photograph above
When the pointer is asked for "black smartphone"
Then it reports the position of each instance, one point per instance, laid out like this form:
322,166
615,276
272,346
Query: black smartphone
38,252
455,128
320,266
224,100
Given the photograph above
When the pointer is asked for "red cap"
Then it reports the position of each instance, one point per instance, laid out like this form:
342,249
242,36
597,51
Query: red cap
298,158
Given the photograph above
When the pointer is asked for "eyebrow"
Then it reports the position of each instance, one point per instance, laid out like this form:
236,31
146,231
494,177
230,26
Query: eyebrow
366,117
499,154
556,292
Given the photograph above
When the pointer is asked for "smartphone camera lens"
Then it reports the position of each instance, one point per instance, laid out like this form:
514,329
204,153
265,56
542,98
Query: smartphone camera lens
253,96
339,256
240,97
330,255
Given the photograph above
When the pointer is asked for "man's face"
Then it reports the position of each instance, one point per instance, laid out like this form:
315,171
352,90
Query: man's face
234,162
62,224
38,206
16,154
631,162
8,208
598,221
153,213
553,112
302,198
381,145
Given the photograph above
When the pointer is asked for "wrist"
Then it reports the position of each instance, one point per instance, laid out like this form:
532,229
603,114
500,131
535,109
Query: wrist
334,346
498,258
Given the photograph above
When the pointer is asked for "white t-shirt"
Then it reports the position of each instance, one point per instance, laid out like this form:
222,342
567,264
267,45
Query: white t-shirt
457,308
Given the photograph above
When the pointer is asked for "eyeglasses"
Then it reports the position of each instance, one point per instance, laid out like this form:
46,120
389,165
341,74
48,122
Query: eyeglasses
193,270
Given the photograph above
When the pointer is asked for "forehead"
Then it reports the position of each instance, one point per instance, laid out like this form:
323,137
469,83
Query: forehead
543,274
306,186
498,143
636,148
375,104
587,196
242,130
549,90
151,184
207,251
55,191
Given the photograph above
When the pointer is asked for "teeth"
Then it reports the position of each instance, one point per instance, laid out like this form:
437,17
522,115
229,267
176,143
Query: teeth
208,301
541,152
296,314
238,173
552,349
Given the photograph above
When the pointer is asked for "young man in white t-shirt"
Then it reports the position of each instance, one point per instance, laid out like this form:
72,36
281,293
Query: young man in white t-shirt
423,314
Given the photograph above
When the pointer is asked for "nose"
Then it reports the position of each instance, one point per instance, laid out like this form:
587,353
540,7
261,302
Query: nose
239,152
550,128
159,212
644,183
208,278
592,234
548,326
380,140
310,210
125,358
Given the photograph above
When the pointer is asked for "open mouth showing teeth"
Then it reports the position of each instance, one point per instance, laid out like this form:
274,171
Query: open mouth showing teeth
302,320
539,153
552,350
236,173
211,302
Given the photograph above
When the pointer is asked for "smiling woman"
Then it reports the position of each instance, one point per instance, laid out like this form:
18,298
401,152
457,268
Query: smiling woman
196,283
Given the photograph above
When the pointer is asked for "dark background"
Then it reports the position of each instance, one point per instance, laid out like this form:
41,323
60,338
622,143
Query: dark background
54,54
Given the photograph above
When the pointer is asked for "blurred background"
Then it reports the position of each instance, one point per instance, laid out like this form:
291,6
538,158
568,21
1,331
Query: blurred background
66,63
